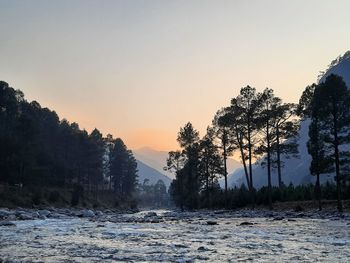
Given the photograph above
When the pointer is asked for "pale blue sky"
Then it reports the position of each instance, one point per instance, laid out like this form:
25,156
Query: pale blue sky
141,69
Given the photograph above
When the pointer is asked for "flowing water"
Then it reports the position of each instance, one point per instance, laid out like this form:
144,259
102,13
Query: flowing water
173,239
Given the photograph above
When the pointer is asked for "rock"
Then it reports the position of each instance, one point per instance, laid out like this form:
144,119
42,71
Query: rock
180,246
245,223
45,213
35,215
7,223
278,218
25,216
202,249
212,223
99,213
88,213
151,214
4,213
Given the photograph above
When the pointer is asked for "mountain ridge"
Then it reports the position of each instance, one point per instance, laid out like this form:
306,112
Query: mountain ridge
147,172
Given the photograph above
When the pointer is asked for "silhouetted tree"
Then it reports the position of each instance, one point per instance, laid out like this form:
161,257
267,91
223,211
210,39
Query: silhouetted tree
223,132
185,188
333,112
123,170
211,163
266,121
247,107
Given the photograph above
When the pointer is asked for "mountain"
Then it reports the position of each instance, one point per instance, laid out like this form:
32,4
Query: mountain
157,160
153,158
340,66
147,172
296,170
232,165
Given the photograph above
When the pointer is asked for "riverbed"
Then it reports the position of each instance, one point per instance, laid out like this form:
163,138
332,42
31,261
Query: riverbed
166,236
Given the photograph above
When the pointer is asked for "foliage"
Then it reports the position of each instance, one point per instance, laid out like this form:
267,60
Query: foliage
38,149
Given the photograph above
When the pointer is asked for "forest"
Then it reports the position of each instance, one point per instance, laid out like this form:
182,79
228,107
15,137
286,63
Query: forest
48,159
260,127
54,161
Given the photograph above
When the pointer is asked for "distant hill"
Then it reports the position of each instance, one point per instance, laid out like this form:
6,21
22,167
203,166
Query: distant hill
157,160
153,158
296,170
341,67
232,167
147,172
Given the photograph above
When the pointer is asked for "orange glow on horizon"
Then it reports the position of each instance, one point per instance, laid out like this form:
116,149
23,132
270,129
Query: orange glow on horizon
160,140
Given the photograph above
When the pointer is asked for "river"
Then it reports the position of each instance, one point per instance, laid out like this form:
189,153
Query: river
176,237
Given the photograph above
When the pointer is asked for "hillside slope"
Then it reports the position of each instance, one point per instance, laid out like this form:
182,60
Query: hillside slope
147,172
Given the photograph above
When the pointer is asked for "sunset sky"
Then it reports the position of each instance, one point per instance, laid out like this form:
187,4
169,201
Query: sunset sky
141,69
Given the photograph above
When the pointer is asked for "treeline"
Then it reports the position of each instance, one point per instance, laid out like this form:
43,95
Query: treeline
261,128
38,149
153,195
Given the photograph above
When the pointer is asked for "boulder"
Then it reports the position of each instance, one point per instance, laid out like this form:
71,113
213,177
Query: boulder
4,213
99,213
151,214
25,216
88,213
245,223
45,213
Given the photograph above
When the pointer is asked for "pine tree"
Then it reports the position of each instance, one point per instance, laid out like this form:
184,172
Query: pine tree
225,138
123,170
211,164
247,106
185,189
332,100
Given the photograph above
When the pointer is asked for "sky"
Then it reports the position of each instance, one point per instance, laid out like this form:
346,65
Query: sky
142,69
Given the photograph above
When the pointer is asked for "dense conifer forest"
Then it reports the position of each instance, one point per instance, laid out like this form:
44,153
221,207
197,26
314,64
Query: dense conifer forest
49,159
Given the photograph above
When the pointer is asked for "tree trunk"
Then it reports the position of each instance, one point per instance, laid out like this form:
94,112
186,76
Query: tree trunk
207,182
225,169
269,164
318,192
280,183
242,156
250,156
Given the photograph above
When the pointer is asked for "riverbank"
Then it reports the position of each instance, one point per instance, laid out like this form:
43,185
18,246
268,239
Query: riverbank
9,216
60,197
